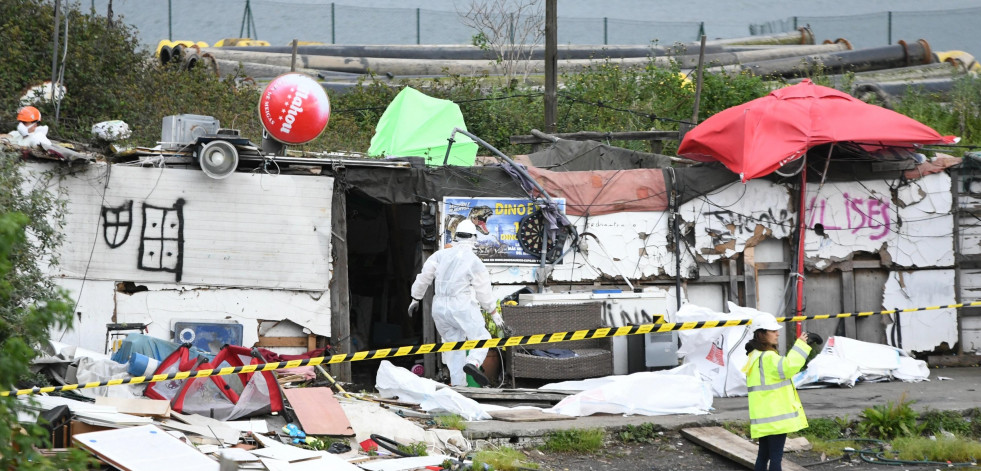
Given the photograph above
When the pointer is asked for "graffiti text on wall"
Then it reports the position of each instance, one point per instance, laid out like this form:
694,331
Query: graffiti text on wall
779,222
870,215
161,239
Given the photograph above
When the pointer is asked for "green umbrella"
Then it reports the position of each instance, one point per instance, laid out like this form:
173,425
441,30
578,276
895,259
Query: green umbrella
416,124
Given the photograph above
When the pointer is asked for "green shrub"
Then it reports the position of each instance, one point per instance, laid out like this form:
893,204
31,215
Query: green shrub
934,421
31,307
890,420
575,440
414,449
643,433
827,429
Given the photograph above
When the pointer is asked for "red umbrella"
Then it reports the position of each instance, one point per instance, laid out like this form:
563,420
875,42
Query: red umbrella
758,137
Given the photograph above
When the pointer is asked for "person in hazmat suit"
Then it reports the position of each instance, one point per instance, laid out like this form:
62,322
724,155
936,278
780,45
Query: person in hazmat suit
28,133
462,288
774,406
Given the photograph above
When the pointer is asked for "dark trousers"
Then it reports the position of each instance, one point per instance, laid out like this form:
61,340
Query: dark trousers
771,453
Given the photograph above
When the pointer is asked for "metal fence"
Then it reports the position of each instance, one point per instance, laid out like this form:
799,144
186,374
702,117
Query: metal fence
279,22
943,29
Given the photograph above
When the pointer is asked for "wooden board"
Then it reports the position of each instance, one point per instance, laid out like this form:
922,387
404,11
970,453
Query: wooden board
492,394
319,412
136,405
731,446
526,415
143,448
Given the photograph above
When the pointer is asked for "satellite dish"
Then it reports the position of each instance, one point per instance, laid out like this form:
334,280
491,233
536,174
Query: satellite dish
294,108
218,159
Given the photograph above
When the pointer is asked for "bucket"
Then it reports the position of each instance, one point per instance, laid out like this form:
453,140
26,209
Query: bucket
142,365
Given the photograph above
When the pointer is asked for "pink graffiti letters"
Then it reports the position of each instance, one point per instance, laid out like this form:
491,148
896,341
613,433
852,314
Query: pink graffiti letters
870,215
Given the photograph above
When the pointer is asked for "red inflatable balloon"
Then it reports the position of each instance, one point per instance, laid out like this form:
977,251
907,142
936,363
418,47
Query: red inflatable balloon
294,108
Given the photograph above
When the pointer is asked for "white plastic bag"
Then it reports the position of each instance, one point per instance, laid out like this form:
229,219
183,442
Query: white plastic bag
111,131
393,381
718,353
680,390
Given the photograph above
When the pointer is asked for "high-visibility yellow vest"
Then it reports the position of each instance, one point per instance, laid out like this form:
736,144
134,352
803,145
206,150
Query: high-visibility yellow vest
774,406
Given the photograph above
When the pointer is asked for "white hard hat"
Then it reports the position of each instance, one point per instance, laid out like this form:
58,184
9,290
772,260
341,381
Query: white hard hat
466,227
766,321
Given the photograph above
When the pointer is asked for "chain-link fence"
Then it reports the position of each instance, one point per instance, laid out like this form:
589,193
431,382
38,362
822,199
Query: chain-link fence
942,29
279,22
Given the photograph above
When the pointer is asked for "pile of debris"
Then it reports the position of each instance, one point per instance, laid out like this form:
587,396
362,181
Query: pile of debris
294,422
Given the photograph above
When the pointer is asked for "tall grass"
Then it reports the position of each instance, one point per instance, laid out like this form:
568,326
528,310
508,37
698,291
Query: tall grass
583,441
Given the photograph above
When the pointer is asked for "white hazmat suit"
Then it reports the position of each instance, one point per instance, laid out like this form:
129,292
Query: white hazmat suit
462,282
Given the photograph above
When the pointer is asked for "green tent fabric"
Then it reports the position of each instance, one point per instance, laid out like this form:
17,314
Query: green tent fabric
418,125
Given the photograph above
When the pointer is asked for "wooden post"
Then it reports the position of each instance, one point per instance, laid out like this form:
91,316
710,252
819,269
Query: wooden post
551,65
340,297
848,301
293,56
955,191
430,361
698,81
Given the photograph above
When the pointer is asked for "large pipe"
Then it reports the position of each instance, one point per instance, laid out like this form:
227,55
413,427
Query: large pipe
886,57
467,67
914,72
890,93
565,52
257,70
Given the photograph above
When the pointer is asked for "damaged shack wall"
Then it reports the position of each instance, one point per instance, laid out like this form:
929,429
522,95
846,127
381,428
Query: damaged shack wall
158,245
862,234
968,183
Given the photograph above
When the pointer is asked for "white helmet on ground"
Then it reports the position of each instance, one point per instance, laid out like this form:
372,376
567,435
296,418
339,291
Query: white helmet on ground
466,227
766,321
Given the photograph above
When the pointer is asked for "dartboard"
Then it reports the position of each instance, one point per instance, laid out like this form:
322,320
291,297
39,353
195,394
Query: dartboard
531,229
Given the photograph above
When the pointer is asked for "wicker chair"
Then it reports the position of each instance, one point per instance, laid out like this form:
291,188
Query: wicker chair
593,358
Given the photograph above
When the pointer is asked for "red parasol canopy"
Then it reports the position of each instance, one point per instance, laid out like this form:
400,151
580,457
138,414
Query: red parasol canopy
758,137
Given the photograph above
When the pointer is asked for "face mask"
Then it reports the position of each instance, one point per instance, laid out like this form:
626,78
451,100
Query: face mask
22,129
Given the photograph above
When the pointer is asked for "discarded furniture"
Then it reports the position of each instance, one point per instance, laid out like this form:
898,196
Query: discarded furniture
593,358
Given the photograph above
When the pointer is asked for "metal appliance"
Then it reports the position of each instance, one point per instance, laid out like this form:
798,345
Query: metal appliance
630,353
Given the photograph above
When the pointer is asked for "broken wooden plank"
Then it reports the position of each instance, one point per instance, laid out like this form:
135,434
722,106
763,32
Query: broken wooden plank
492,394
526,415
731,446
143,448
319,412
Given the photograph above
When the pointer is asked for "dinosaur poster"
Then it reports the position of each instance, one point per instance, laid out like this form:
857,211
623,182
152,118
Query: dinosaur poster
499,224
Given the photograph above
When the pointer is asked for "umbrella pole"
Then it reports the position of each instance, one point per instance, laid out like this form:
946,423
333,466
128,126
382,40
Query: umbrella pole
800,244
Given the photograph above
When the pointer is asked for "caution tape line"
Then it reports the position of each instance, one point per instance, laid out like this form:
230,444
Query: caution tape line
513,341
875,313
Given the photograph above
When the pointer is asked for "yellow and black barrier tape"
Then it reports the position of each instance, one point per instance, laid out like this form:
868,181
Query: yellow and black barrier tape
513,341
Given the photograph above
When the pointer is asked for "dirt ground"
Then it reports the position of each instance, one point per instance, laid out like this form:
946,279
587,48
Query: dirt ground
673,452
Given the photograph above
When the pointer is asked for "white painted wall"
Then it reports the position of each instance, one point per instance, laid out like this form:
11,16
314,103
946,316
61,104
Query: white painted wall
162,308
925,330
247,230
255,247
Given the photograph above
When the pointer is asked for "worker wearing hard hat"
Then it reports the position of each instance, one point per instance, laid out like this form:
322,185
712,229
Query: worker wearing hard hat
774,406
462,287
29,132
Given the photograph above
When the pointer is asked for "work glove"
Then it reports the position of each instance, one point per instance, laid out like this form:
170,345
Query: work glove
498,321
814,339
413,307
